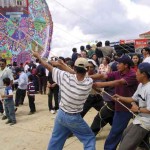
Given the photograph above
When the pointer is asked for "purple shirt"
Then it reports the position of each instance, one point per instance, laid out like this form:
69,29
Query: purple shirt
127,89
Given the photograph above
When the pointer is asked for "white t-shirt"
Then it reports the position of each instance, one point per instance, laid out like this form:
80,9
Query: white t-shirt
147,59
142,96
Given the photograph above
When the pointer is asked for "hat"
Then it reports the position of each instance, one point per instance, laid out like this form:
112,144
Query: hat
125,60
18,70
93,62
81,62
144,67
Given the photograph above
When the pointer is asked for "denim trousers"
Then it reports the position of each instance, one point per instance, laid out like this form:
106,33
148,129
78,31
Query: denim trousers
120,122
10,110
65,124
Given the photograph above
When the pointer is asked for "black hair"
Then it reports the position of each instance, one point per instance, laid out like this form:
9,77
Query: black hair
6,81
14,63
80,70
107,43
146,49
138,58
99,44
30,77
82,48
88,47
3,60
74,50
37,60
147,74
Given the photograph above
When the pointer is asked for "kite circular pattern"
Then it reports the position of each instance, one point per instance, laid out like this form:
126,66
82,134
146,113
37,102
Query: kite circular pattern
24,25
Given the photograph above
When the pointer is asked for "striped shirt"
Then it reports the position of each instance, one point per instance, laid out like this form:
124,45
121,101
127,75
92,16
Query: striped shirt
73,92
31,89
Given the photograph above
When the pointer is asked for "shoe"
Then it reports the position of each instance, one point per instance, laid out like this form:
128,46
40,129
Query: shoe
4,117
30,113
16,109
70,135
52,111
12,123
8,121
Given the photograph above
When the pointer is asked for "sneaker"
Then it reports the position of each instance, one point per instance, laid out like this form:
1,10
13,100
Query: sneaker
53,111
4,117
8,121
12,123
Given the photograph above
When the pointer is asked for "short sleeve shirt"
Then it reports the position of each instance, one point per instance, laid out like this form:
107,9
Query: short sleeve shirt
127,89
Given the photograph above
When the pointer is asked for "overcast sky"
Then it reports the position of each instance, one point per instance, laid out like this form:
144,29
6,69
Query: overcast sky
79,22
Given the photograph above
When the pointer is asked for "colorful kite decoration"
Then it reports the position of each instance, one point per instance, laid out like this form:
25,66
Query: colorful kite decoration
24,25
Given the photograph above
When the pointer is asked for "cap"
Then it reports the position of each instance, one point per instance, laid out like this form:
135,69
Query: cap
81,62
93,62
144,67
125,60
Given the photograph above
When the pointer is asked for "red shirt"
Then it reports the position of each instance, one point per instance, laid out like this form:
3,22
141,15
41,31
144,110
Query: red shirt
127,89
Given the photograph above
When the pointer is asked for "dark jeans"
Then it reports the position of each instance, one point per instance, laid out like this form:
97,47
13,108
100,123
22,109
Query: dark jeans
36,82
20,95
120,122
95,101
1,107
42,84
104,116
31,103
9,110
53,92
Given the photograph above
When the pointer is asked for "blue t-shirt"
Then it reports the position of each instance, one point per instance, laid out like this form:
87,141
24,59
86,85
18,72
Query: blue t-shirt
8,91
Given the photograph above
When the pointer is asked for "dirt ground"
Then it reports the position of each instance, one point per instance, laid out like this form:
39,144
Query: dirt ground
32,132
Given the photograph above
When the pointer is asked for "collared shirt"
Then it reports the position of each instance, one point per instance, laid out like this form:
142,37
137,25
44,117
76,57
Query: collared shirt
6,73
142,96
22,81
127,89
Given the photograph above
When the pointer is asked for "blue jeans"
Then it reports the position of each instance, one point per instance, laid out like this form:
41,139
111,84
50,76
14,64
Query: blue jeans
10,110
120,122
65,124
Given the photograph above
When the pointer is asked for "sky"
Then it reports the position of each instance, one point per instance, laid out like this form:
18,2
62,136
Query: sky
82,22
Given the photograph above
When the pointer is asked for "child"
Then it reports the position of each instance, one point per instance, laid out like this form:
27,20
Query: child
31,95
8,102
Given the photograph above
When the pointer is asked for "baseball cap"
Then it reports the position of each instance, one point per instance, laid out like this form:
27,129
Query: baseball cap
144,67
81,62
125,60
93,62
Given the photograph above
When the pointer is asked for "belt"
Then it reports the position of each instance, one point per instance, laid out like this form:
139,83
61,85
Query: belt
69,113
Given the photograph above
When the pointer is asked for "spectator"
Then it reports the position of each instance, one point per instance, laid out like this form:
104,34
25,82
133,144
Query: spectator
9,102
22,86
31,95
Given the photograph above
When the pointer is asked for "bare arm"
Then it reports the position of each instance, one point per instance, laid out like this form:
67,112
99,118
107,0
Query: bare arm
61,65
110,83
135,107
98,76
43,62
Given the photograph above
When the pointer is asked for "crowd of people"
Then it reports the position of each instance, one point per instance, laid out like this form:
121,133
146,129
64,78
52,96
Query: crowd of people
117,86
